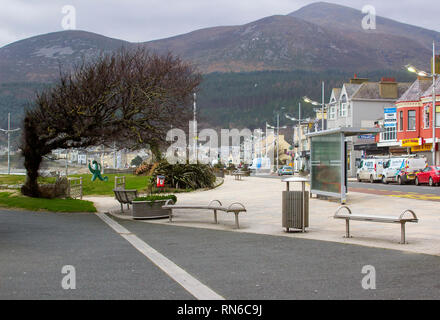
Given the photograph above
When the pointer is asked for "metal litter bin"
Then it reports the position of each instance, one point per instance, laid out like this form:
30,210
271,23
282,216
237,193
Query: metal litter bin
295,206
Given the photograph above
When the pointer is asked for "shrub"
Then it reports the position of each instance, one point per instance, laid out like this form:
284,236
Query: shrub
219,165
185,176
137,161
154,198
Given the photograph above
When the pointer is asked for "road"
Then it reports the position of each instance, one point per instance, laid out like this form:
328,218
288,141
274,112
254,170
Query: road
423,192
34,247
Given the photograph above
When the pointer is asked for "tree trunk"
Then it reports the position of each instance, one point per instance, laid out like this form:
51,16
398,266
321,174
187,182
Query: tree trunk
32,160
30,188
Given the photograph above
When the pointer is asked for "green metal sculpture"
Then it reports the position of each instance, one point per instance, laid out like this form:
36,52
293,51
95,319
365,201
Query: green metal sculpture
96,171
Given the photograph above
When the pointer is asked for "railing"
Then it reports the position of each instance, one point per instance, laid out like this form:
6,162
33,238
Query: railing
120,182
389,135
75,188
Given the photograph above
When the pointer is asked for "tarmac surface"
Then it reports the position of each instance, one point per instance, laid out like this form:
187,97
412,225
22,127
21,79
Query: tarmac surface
35,246
257,261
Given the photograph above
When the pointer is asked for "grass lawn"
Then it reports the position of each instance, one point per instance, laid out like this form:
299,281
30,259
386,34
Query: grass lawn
10,200
90,188
97,187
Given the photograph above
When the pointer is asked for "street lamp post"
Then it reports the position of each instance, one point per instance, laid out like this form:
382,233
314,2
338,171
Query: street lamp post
278,134
8,132
322,104
195,127
434,77
299,128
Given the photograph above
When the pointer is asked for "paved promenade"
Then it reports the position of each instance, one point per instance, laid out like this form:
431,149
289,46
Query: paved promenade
262,198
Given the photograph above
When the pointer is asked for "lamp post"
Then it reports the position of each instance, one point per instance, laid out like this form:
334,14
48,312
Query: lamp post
299,128
434,77
322,104
8,132
278,133
195,127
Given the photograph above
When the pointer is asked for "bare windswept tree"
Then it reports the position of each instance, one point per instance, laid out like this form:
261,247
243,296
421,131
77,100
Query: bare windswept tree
131,97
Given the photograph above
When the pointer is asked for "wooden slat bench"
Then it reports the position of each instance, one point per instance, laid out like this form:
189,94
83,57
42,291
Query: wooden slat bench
214,205
375,218
125,196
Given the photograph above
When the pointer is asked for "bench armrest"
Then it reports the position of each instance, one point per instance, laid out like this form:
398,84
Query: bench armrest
342,207
218,201
242,208
168,203
409,211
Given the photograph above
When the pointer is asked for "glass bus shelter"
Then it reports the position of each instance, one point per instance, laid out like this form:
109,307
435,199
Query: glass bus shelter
328,160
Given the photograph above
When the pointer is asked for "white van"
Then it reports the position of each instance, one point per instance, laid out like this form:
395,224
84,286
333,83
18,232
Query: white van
370,169
260,165
392,168
403,170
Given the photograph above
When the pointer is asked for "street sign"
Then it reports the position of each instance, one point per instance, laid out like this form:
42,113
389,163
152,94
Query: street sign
390,117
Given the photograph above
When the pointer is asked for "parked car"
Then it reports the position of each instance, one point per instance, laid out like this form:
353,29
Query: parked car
370,169
429,175
286,170
403,170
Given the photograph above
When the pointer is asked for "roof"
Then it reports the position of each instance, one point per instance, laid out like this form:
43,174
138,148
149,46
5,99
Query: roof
428,92
415,91
351,88
347,131
336,92
371,91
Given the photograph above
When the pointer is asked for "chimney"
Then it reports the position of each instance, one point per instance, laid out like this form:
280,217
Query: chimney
356,80
388,88
437,64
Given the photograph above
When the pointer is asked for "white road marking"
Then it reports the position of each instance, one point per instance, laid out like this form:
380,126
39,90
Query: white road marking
187,281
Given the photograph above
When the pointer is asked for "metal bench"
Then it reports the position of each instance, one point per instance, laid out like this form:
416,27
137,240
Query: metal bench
374,218
238,174
125,197
214,205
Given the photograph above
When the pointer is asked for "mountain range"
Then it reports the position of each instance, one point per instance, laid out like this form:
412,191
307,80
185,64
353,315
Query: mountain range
317,37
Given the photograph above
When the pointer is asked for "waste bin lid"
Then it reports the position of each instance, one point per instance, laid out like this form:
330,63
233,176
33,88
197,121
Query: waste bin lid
296,179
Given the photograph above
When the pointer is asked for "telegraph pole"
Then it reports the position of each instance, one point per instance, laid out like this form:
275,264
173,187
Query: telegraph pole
195,127
8,132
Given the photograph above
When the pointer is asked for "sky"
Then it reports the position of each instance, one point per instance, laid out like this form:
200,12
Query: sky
144,20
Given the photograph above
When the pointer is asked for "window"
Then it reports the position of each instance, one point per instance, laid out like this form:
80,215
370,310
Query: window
343,112
389,134
411,120
332,114
437,116
401,120
343,107
426,117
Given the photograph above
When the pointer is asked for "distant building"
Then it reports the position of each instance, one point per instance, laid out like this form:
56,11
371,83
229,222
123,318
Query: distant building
408,126
359,104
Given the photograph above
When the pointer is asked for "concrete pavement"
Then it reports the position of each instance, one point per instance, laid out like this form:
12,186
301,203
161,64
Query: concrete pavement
262,198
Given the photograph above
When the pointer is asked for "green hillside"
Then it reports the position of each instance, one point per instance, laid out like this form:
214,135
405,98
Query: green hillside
226,100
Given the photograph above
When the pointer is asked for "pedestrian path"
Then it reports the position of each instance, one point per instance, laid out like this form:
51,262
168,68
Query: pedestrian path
262,199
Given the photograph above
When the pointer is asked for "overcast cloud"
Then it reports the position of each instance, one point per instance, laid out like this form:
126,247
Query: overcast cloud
143,20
